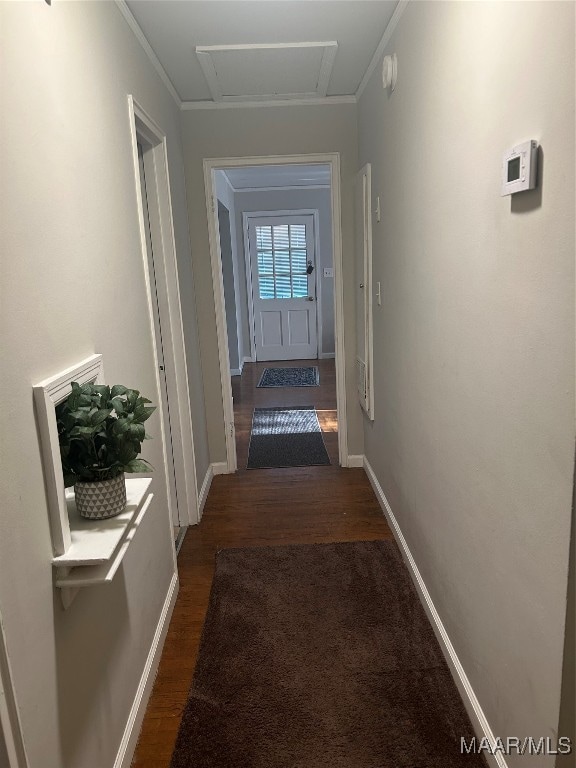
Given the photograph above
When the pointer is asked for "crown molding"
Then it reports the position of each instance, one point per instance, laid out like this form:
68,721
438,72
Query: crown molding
141,37
186,106
293,187
388,32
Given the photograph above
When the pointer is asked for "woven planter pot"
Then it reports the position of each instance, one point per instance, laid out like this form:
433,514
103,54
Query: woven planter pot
101,498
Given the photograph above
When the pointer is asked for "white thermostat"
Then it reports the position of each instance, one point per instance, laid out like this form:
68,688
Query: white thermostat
519,168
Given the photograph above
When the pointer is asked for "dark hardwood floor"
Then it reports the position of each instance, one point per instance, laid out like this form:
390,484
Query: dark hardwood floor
255,507
248,396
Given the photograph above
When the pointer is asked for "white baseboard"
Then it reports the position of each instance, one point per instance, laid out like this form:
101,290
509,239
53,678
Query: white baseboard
248,360
203,495
479,721
132,730
355,461
219,468
235,371
326,355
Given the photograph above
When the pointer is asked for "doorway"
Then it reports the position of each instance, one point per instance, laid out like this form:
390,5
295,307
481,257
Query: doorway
154,212
302,282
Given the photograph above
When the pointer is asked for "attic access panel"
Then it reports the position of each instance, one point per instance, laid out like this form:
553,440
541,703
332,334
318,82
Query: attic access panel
261,71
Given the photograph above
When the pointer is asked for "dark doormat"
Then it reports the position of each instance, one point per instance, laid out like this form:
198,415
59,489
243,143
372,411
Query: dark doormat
290,377
286,437
320,656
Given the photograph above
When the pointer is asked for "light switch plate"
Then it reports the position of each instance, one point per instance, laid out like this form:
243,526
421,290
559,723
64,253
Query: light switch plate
328,272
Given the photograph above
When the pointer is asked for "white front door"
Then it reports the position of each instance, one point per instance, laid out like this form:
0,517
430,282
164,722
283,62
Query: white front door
282,266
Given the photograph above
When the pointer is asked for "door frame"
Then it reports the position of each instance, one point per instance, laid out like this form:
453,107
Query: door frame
246,216
211,165
10,723
144,128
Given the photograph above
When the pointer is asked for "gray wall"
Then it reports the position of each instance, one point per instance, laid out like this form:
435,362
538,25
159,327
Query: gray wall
73,284
285,200
253,132
473,440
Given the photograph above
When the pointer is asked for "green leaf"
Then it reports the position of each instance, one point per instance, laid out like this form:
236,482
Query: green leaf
118,389
120,426
80,416
118,404
137,431
104,391
82,431
142,413
137,465
99,416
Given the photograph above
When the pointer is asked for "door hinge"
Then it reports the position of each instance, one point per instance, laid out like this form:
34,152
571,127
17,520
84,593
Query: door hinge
231,429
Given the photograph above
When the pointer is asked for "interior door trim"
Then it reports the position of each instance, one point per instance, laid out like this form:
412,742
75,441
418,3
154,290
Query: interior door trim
211,165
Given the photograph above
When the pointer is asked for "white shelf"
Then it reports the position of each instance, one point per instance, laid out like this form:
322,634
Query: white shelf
95,542
87,575
98,546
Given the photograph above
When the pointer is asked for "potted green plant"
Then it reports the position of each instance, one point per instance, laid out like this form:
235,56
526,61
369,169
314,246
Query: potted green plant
100,431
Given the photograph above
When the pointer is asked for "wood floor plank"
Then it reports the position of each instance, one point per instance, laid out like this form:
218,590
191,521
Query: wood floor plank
256,507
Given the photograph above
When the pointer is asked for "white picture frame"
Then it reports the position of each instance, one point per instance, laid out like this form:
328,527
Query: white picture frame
47,395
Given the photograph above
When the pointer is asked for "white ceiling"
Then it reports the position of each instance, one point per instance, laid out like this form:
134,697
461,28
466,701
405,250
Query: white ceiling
270,176
175,28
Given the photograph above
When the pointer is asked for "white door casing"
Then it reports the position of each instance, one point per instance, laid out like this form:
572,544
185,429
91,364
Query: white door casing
210,166
282,267
166,302
156,289
363,268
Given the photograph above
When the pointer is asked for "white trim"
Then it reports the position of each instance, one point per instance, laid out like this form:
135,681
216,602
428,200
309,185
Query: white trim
220,307
220,468
246,216
186,106
210,166
473,707
141,37
326,66
141,124
132,731
204,54
264,46
205,489
209,69
363,231
10,725
388,32
327,356
248,360
235,371
297,187
249,293
355,460
340,352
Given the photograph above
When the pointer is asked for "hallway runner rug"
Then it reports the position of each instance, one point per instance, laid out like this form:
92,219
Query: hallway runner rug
320,656
290,377
286,437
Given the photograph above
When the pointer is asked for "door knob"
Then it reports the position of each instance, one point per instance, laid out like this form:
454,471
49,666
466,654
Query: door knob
361,285
309,298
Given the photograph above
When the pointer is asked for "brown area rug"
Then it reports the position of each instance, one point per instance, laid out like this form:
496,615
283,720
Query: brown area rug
320,656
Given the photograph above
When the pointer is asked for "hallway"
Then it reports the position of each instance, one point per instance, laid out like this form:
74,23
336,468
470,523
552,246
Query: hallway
251,508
